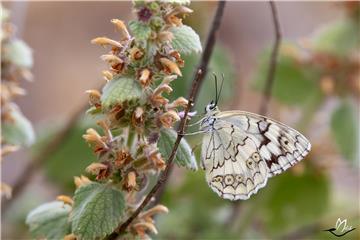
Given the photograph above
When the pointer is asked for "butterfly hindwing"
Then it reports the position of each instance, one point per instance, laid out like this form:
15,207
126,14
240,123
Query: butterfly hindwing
234,167
280,145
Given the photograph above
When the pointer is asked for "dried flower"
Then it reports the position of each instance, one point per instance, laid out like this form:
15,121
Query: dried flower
130,181
174,20
141,227
165,36
147,215
170,66
95,168
169,118
111,59
65,199
103,41
70,237
179,102
152,153
136,53
137,119
124,33
92,137
145,77
123,157
81,181
107,75
94,98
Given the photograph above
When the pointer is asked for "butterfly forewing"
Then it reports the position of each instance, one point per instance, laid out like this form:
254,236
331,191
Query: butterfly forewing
280,145
241,150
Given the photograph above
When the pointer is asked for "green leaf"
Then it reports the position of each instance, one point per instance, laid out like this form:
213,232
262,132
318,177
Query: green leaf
18,53
19,131
97,211
340,38
50,220
290,202
293,84
119,90
183,157
186,40
345,130
141,31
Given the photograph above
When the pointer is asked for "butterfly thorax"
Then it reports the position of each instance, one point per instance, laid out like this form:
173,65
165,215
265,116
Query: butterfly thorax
207,124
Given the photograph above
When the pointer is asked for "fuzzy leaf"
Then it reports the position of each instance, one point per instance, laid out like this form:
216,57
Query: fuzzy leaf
119,90
140,30
344,129
186,40
18,53
50,220
183,157
19,131
97,211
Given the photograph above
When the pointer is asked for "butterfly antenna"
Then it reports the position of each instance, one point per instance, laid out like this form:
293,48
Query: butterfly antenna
221,87
216,89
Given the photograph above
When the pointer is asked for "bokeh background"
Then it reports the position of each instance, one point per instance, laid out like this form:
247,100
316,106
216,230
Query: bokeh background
316,91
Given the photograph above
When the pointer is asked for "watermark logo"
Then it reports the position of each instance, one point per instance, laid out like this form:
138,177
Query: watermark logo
341,228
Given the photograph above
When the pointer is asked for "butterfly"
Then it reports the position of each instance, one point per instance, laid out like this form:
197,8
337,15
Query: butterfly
241,150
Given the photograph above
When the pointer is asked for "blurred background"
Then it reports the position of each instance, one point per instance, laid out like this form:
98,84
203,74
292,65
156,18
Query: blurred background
316,90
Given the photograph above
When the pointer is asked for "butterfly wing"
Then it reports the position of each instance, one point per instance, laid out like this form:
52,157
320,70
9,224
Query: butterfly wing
279,145
234,168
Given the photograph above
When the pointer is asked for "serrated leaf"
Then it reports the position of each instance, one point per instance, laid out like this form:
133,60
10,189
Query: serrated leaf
50,220
19,131
97,210
186,40
293,84
119,90
140,30
18,53
345,130
183,157
340,38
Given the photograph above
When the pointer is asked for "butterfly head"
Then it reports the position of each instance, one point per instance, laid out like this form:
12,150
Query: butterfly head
211,107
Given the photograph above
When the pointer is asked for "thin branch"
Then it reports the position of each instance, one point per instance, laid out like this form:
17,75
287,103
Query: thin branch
195,87
33,166
273,61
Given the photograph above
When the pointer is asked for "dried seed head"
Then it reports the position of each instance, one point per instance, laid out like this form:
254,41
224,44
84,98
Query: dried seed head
170,66
94,97
124,33
145,77
81,181
104,41
136,53
169,118
65,199
95,168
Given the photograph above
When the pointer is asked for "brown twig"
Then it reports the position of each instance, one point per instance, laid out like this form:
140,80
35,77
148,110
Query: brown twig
33,166
195,87
264,104
273,61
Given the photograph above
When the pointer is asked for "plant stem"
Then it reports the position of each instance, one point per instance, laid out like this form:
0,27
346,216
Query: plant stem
198,78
